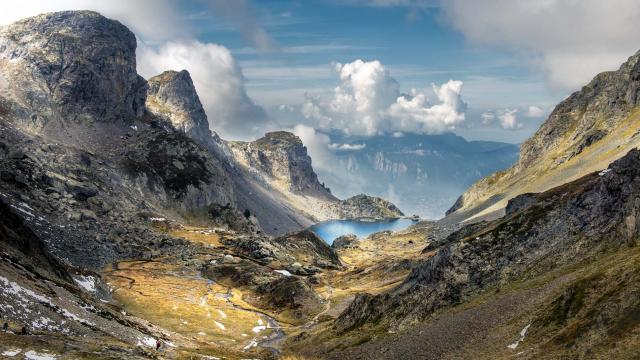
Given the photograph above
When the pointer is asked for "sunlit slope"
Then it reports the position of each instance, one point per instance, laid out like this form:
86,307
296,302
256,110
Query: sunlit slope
585,133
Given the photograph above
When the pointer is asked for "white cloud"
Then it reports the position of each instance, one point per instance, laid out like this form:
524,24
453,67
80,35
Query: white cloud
353,147
534,112
368,102
508,119
570,41
317,144
487,117
218,80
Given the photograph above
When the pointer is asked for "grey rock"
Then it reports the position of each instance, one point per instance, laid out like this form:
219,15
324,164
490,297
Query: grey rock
78,64
345,241
172,97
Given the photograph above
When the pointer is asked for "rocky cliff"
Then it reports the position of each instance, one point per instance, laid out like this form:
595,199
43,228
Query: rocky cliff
283,161
172,97
70,67
584,133
279,162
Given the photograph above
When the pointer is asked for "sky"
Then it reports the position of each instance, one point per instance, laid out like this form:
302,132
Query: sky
486,69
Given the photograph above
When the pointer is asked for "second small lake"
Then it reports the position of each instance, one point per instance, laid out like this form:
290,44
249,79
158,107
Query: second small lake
330,230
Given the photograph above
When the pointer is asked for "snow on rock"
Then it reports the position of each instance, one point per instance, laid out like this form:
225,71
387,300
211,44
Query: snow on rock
523,332
33,355
252,344
86,282
603,172
147,341
283,272
11,352
257,329
21,293
224,316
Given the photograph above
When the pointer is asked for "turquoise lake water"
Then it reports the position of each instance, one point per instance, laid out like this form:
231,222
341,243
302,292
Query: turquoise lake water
330,230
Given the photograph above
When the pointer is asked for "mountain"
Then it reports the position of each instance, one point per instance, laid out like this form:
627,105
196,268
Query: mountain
279,162
129,229
586,132
517,272
561,265
423,174
107,178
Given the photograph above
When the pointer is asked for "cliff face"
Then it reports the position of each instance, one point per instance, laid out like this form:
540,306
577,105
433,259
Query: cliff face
172,97
70,66
279,162
282,158
584,133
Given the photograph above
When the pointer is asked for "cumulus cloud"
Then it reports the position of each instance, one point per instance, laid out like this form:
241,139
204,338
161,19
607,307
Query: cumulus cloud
218,80
368,102
570,41
317,144
534,112
507,118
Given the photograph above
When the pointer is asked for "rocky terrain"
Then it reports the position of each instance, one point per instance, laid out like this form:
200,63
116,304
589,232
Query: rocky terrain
119,205
129,229
586,132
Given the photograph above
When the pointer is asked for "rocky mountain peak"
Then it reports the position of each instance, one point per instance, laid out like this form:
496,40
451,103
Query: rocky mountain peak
585,133
70,65
282,156
587,115
172,97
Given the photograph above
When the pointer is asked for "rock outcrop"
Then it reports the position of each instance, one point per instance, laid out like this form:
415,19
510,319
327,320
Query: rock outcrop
279,162
586,132
171,96
365,206
282,158
70,66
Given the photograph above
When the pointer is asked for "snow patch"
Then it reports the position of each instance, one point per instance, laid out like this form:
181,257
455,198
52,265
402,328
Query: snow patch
523,333
219,325
86,282
224,316
603,172
283,272
257,329
32,355
252,344
147,341
11,352
26,212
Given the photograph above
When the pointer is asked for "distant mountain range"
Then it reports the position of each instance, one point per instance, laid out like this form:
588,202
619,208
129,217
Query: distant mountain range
422,174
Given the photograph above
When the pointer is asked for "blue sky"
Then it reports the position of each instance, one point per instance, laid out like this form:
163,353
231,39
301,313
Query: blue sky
498,66
417,49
